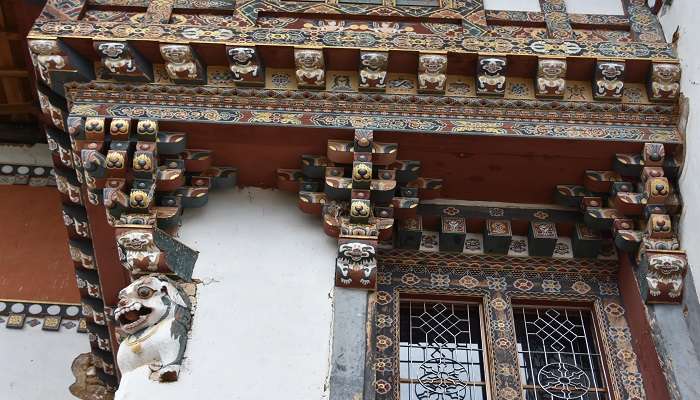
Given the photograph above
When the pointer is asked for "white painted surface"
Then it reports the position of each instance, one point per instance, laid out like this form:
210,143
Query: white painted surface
36,364
263,323
37,154
684,13
513,5
606,7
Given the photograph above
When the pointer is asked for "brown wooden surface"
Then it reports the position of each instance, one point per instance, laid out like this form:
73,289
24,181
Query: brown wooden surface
18,101
522,170
34,260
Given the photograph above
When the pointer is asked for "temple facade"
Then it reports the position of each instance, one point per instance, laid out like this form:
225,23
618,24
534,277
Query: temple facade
349,199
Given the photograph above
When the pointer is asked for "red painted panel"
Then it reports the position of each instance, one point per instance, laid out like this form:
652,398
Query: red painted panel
523,170
34,260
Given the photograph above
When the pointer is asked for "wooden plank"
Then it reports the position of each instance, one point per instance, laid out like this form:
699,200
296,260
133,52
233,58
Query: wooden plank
14,73
10,36
21,108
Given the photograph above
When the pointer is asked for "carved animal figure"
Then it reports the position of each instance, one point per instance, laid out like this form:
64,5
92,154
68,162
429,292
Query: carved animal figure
355,256
551,77
155,313
610,82
373,68
115,57
47,55
310,67
668,271
138,252
432,68
179,59
665,79
492,75
243,62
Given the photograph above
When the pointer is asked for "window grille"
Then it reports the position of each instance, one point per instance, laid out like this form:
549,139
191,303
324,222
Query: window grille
441,351
559,354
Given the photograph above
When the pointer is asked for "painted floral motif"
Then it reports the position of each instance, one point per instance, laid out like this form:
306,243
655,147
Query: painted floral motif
619,334
280,80
410,279
508,394
500,325
384,278
497,283
504,343
468,282
382,386
626,356
615,310
382,364
429,242
518,246
439,280
499,304
581,287
384,321
451,211
561,249
519,90
384,298
505,370
551,286
472,245
496,212
609,288
523,284
383,342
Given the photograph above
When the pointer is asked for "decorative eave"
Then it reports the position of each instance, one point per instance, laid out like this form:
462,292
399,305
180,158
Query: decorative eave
462,44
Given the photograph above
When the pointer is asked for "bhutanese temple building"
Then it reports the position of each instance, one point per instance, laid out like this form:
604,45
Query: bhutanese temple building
349,199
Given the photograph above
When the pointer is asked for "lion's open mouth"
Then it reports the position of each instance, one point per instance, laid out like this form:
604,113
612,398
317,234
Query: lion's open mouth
130,317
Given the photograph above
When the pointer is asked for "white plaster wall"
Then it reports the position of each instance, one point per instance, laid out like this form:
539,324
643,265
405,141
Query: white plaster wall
36,364
608,7
263,323
683,14
513,5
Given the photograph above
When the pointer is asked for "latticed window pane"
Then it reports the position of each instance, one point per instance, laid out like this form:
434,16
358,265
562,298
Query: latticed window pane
442,353
559,354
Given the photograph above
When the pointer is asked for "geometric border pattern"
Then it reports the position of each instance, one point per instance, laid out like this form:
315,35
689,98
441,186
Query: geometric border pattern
337,119
497,281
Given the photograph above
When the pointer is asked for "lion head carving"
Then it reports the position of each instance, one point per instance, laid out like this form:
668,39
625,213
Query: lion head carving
154,312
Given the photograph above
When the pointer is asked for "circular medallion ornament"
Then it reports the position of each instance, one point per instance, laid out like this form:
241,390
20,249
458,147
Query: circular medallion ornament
440,380
563,381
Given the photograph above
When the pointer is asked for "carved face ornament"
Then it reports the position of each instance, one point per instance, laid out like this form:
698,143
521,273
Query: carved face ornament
666,72
309,59
492,65
433,64
43,47
145,302
177,54
611,71
552,69
241,55
374,61
667,266
112,50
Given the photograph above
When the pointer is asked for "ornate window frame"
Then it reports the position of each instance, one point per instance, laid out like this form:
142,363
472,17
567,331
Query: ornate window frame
499,281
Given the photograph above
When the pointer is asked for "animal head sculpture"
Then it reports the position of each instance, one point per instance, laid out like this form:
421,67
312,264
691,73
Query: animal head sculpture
356,265
155,313
147,301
